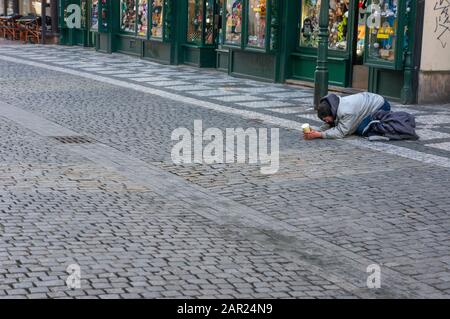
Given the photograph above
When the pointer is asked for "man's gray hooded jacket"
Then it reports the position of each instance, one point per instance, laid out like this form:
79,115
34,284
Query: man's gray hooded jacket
349,112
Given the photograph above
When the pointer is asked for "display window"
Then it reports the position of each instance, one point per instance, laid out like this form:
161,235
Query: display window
361,32
142,20
195,21
128,15
27,7
94,14
382,31
233,28
9,7
2,7
157,18
209,22
338,24
257,23
104,14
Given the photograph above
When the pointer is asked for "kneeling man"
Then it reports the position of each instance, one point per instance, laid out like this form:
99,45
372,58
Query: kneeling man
344,116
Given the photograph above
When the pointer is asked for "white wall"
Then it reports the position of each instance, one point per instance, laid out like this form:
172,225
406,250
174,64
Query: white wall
436,38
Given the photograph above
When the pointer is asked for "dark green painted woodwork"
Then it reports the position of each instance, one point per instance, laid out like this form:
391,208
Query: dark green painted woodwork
74,36
128,44
304,67
223,57
397,63
158,51
281,59
252,64
386,82
199,56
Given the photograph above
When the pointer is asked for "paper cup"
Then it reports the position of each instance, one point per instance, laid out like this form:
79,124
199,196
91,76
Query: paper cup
306,128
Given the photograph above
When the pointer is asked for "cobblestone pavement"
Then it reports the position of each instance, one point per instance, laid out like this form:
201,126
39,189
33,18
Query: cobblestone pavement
140,226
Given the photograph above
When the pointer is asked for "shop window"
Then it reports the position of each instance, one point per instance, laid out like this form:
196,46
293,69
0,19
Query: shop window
233,31
94,14
195,20
209,22
29,7
338,24
104,14
257,23
9,7
128,15
382,34
142,18
157,18
2,7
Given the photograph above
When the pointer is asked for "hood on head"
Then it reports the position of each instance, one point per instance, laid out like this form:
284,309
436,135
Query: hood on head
332,100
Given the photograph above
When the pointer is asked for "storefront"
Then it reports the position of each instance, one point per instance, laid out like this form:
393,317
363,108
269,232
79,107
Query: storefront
250,38
199,31
144,29
78,17
372,43
366,43
9,7
34,10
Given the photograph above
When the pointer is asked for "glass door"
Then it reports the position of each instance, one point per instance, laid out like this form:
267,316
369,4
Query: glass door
360,72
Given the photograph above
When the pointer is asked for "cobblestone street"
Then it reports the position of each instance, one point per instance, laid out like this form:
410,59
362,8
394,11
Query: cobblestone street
140,226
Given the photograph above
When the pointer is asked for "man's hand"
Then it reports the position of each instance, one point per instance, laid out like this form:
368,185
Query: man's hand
312,135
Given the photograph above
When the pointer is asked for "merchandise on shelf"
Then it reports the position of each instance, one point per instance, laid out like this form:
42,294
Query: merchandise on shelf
142,24
94,14
382,32
257,23
157,18
233,21
128,15
337,27
104,14
195,21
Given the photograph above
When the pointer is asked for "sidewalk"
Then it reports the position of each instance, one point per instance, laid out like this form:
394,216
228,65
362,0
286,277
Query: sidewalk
140,226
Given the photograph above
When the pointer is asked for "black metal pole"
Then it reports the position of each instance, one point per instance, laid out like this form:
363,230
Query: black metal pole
321,74
43,20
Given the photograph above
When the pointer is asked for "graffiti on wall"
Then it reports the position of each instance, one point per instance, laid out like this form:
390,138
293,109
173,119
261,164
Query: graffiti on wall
442,26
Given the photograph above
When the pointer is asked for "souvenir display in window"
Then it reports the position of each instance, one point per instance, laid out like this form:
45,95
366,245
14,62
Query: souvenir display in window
382,31
218,21
142,18
361,31
338,24
83,5
195,20
157,18
128,15
104,13
233,26
209,22
94,14
257,23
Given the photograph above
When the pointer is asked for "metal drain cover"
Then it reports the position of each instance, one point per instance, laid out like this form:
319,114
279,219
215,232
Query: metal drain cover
75,139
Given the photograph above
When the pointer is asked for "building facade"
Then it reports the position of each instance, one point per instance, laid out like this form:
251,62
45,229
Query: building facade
34,8
397,48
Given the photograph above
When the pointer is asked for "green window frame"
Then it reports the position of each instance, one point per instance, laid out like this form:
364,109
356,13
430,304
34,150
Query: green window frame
144,16
128,16
384,45
94,15
340,24
231,22
104,15
201,23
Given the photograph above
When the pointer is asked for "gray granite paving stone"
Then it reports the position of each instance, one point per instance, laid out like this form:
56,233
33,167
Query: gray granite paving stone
140,226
